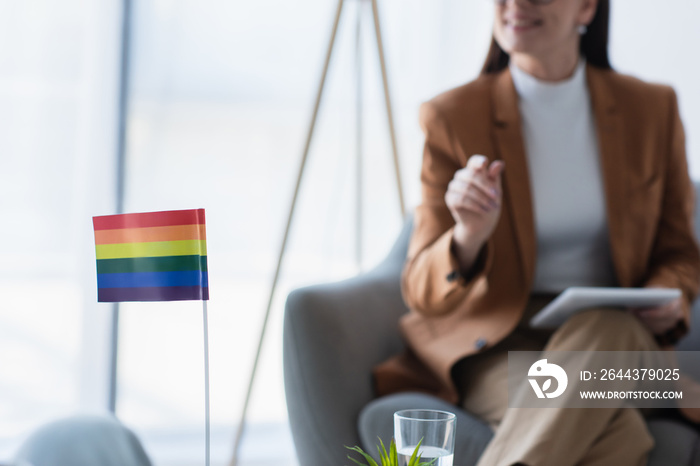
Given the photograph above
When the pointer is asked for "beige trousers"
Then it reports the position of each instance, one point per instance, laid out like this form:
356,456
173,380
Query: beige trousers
551,436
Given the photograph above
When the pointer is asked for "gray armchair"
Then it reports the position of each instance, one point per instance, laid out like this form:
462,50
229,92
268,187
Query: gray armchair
334,334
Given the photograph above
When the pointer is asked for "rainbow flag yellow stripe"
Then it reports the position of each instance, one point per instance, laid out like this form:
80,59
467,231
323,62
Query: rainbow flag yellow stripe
153,249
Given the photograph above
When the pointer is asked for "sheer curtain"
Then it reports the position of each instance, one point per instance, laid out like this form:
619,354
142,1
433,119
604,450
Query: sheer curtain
58,89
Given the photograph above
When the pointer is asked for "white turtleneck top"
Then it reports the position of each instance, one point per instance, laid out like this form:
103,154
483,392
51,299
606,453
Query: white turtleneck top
566,182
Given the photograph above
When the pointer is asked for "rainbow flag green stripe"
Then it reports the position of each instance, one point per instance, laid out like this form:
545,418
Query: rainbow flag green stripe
152,256
152,264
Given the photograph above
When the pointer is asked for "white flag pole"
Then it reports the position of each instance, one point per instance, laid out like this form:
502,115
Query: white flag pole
206,383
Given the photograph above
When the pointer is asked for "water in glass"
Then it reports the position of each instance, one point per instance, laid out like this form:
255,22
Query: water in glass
427,453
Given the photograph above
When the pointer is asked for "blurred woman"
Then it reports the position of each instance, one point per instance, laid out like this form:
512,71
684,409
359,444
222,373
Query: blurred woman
550,170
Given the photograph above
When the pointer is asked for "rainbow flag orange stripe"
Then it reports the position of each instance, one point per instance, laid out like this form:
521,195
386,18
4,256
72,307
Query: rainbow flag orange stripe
152,256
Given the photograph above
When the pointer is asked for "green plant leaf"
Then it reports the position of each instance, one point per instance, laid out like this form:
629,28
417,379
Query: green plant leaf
389,458
393,456
355,461
412,461
383,455
368,458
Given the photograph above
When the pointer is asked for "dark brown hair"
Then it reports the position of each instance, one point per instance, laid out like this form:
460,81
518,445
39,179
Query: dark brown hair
594,44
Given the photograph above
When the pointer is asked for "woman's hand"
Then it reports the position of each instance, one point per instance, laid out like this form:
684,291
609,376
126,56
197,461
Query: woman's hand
474,200
660,319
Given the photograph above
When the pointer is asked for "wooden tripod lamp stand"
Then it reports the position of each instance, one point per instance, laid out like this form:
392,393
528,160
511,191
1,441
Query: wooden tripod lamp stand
312,125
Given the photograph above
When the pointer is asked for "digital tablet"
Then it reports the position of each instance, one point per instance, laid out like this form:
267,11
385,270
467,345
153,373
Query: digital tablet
576,299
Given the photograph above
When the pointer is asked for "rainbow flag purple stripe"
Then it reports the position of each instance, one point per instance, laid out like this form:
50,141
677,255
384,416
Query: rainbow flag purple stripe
152,256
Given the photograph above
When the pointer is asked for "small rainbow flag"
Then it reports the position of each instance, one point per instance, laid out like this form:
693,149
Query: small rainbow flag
152,256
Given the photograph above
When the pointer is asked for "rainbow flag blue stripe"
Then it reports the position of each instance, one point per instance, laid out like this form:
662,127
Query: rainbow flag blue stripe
152,256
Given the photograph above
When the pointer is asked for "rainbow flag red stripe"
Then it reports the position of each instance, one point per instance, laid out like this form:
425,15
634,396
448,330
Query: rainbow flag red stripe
152,256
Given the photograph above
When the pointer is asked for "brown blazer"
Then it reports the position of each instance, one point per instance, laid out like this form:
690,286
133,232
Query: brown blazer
649,208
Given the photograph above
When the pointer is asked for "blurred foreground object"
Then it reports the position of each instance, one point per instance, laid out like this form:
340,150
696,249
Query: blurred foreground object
83,441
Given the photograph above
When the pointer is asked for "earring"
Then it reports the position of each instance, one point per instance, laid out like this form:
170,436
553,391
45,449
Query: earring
582,29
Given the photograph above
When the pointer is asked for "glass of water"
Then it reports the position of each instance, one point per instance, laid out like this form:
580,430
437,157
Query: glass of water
435,428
